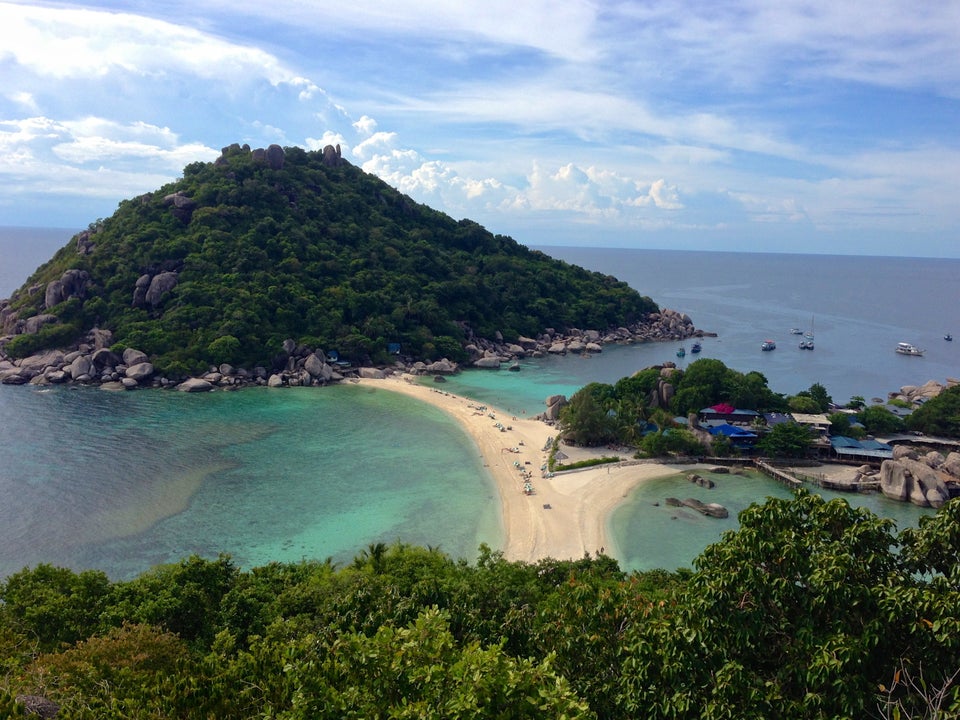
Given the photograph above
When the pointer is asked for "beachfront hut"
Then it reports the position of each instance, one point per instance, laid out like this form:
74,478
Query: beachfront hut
739,437
847,448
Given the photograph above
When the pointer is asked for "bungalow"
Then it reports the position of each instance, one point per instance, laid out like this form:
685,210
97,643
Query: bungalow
723,413
847,448
739,437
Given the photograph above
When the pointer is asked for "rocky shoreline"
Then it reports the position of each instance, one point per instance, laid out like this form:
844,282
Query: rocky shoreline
94,363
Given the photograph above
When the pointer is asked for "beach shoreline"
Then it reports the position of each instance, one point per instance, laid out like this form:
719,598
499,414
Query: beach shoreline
566,516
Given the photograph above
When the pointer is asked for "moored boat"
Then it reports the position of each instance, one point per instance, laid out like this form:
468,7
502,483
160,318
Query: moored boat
806,344
948,337
905,348
695,348
768,345
681,351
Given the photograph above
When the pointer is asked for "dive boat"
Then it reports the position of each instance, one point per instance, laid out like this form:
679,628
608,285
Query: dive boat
907,349
695,348
767,345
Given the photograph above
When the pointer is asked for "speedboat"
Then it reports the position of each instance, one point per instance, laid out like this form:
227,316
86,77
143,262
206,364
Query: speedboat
768,345
695,348
948,337
681,352
907,349
796,331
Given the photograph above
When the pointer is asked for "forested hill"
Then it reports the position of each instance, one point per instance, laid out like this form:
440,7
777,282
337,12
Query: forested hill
259,246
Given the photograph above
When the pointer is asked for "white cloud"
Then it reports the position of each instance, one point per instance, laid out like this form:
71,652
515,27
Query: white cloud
366,126
377,144
90,44
25,100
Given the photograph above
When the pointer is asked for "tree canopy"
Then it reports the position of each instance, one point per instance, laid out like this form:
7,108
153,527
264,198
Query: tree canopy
811,609
327,255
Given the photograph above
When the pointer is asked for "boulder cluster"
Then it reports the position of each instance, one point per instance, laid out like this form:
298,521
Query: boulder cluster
919,394
93,363
924,479
656,327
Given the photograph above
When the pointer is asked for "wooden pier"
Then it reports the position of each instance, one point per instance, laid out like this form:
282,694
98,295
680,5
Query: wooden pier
778,475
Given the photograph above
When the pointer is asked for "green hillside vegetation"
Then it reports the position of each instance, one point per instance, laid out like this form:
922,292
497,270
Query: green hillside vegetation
812,609
319,252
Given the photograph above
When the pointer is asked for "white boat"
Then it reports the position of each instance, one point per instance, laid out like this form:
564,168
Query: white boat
806,344
767,345
796,331
907,349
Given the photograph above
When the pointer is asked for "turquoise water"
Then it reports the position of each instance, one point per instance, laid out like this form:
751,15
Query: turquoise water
649,534
125,481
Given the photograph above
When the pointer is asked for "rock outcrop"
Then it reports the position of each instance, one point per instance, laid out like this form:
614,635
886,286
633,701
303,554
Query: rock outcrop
923,481
73,283
919,394
331,156
181,206
709,509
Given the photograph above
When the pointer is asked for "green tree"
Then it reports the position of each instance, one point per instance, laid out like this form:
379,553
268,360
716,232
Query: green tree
782,618
803,404
584,421
877,419
787,439
54,605
939,415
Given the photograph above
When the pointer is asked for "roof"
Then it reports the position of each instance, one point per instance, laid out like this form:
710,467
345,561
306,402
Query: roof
776,418
732,431
860,448
811,419
736,413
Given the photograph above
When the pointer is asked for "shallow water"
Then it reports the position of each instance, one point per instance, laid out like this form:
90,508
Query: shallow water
125,481
647,533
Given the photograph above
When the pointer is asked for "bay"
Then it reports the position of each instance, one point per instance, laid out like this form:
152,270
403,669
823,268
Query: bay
124,481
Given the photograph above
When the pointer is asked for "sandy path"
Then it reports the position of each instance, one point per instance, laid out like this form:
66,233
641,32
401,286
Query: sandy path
566,515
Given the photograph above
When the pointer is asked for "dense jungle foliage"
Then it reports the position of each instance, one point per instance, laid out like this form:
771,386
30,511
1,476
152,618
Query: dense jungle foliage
629,411
812,609
326,255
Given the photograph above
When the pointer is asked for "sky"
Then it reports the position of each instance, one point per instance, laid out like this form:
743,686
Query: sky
734,125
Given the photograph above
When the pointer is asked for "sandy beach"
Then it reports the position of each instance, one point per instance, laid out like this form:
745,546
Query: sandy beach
566,515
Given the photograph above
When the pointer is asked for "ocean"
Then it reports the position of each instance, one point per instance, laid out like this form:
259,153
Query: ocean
122,482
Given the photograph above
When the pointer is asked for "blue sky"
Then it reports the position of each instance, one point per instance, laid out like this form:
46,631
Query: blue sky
740,125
